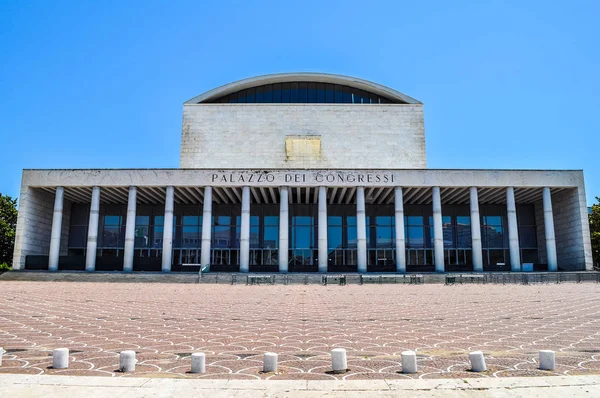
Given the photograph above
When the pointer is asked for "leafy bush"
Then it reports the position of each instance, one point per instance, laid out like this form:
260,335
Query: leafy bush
8,226
594,218
4,267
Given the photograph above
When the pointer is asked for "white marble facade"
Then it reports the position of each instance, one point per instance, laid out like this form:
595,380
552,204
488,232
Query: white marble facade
38,210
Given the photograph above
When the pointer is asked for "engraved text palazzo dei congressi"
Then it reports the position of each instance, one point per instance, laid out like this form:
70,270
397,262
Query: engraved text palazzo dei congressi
283,178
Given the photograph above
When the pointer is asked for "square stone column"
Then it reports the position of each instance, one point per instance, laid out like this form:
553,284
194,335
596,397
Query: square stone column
130,231
206,227
399,222
167,249
549,230
513,230
438,230
476,231
284,229
361,230
92,242
322,219
54,254
245,231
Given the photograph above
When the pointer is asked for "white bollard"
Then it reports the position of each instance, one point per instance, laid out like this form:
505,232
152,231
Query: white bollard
339,363
127,361
198,362
60,358
547,360
409,362
477,361
270,362
1,352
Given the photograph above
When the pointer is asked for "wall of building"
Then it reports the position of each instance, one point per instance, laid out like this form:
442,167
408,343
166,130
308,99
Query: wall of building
254,136
571,227
34,225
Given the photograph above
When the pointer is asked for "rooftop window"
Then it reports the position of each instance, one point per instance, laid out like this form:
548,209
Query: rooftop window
303,93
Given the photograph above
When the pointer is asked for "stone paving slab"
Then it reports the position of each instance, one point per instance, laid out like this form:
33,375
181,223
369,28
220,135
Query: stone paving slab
99,387
236,325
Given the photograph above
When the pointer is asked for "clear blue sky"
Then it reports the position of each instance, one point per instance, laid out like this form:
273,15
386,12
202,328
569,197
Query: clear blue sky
506,84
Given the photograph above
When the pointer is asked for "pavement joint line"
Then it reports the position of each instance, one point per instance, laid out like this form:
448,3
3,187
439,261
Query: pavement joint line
388,384
146,382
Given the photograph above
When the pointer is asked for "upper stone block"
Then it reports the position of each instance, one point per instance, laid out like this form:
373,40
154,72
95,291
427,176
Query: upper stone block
248,124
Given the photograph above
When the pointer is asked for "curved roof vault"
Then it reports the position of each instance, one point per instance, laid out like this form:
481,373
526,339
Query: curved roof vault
378,89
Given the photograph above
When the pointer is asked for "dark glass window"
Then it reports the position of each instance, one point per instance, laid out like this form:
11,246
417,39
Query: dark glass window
260,97
251,95
78,236
417,230
415,236
338,94
341,235
321,93
382,228
334,232
493,219
303,93
224,228
191,231
254,231
142,231
302,227
241,96
276,93
285,93
294,93
463,232
80,214
111,233
448,231
351,232
268,94
364,97
157,239
526,214
528,237
271,232
414,220
346,95
527,228
495,236
78,230
329,94
312,93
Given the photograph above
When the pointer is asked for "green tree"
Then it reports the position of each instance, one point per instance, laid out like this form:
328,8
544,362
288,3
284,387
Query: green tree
594,217
8,226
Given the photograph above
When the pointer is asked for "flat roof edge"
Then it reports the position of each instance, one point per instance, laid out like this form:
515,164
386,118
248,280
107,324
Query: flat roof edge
293,169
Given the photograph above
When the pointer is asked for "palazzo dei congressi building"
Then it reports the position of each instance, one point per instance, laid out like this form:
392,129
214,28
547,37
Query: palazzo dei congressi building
303,172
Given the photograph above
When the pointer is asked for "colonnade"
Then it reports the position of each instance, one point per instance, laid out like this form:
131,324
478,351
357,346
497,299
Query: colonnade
513,231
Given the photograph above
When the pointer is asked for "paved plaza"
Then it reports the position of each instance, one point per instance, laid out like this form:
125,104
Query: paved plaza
235,325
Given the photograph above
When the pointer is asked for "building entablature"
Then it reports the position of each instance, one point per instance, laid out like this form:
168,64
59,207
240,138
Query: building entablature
302,178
